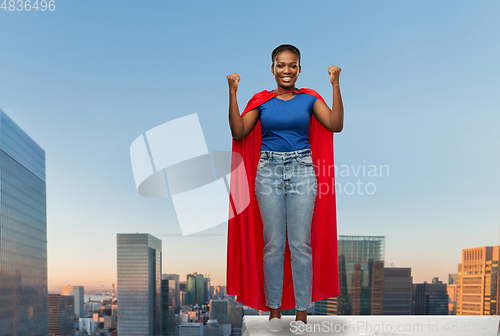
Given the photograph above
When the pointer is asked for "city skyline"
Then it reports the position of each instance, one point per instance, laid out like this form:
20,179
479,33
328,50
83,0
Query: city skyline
419,88
110,288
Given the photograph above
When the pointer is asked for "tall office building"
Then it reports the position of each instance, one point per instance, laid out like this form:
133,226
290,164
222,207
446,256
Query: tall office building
77,292
195,288
361,278
175,279
168,306
206,290
220,310
236,318
183,297
139,284
398,286
429,299
477,285
23,233
61,315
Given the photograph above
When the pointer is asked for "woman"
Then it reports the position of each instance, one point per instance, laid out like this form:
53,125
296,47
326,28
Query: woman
293,129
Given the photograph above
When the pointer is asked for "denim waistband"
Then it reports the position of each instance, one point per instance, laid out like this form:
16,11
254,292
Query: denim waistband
284,155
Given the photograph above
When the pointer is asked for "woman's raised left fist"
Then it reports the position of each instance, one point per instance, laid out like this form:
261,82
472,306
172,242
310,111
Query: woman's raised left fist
334,72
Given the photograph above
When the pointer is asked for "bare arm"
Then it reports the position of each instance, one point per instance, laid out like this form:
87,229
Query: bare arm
332,119
241,126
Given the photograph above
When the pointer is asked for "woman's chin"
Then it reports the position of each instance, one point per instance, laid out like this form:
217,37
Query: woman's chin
287,84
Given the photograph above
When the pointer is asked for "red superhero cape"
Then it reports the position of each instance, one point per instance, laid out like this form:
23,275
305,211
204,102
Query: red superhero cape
245,247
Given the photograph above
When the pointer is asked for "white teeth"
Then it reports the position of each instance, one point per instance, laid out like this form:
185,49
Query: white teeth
286,77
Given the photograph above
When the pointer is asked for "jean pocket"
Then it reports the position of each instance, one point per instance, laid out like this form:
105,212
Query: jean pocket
306,160
263,162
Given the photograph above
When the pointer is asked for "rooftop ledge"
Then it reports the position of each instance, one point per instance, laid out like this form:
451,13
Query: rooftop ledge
379,325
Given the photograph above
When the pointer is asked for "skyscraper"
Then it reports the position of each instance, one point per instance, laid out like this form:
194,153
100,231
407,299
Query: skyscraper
206,290
429,299
23,233
168,305
61,315
195,284
220,310
362,260
139,284
361,278
398,287
478,281
77,292
174,278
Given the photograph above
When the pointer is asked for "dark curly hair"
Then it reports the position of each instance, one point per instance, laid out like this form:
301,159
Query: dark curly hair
284,47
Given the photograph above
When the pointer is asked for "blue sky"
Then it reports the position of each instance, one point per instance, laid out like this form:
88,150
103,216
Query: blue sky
419,82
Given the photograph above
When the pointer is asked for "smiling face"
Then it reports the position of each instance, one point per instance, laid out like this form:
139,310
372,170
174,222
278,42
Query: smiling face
286,69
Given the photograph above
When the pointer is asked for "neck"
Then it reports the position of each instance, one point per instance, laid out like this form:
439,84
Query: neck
281,89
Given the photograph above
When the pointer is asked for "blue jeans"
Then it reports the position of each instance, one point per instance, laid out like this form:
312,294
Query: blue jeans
286,189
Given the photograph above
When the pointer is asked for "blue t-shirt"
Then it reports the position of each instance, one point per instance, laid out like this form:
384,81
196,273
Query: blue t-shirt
285,123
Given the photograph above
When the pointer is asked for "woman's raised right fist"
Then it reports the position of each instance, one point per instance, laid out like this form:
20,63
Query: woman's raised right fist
233,80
